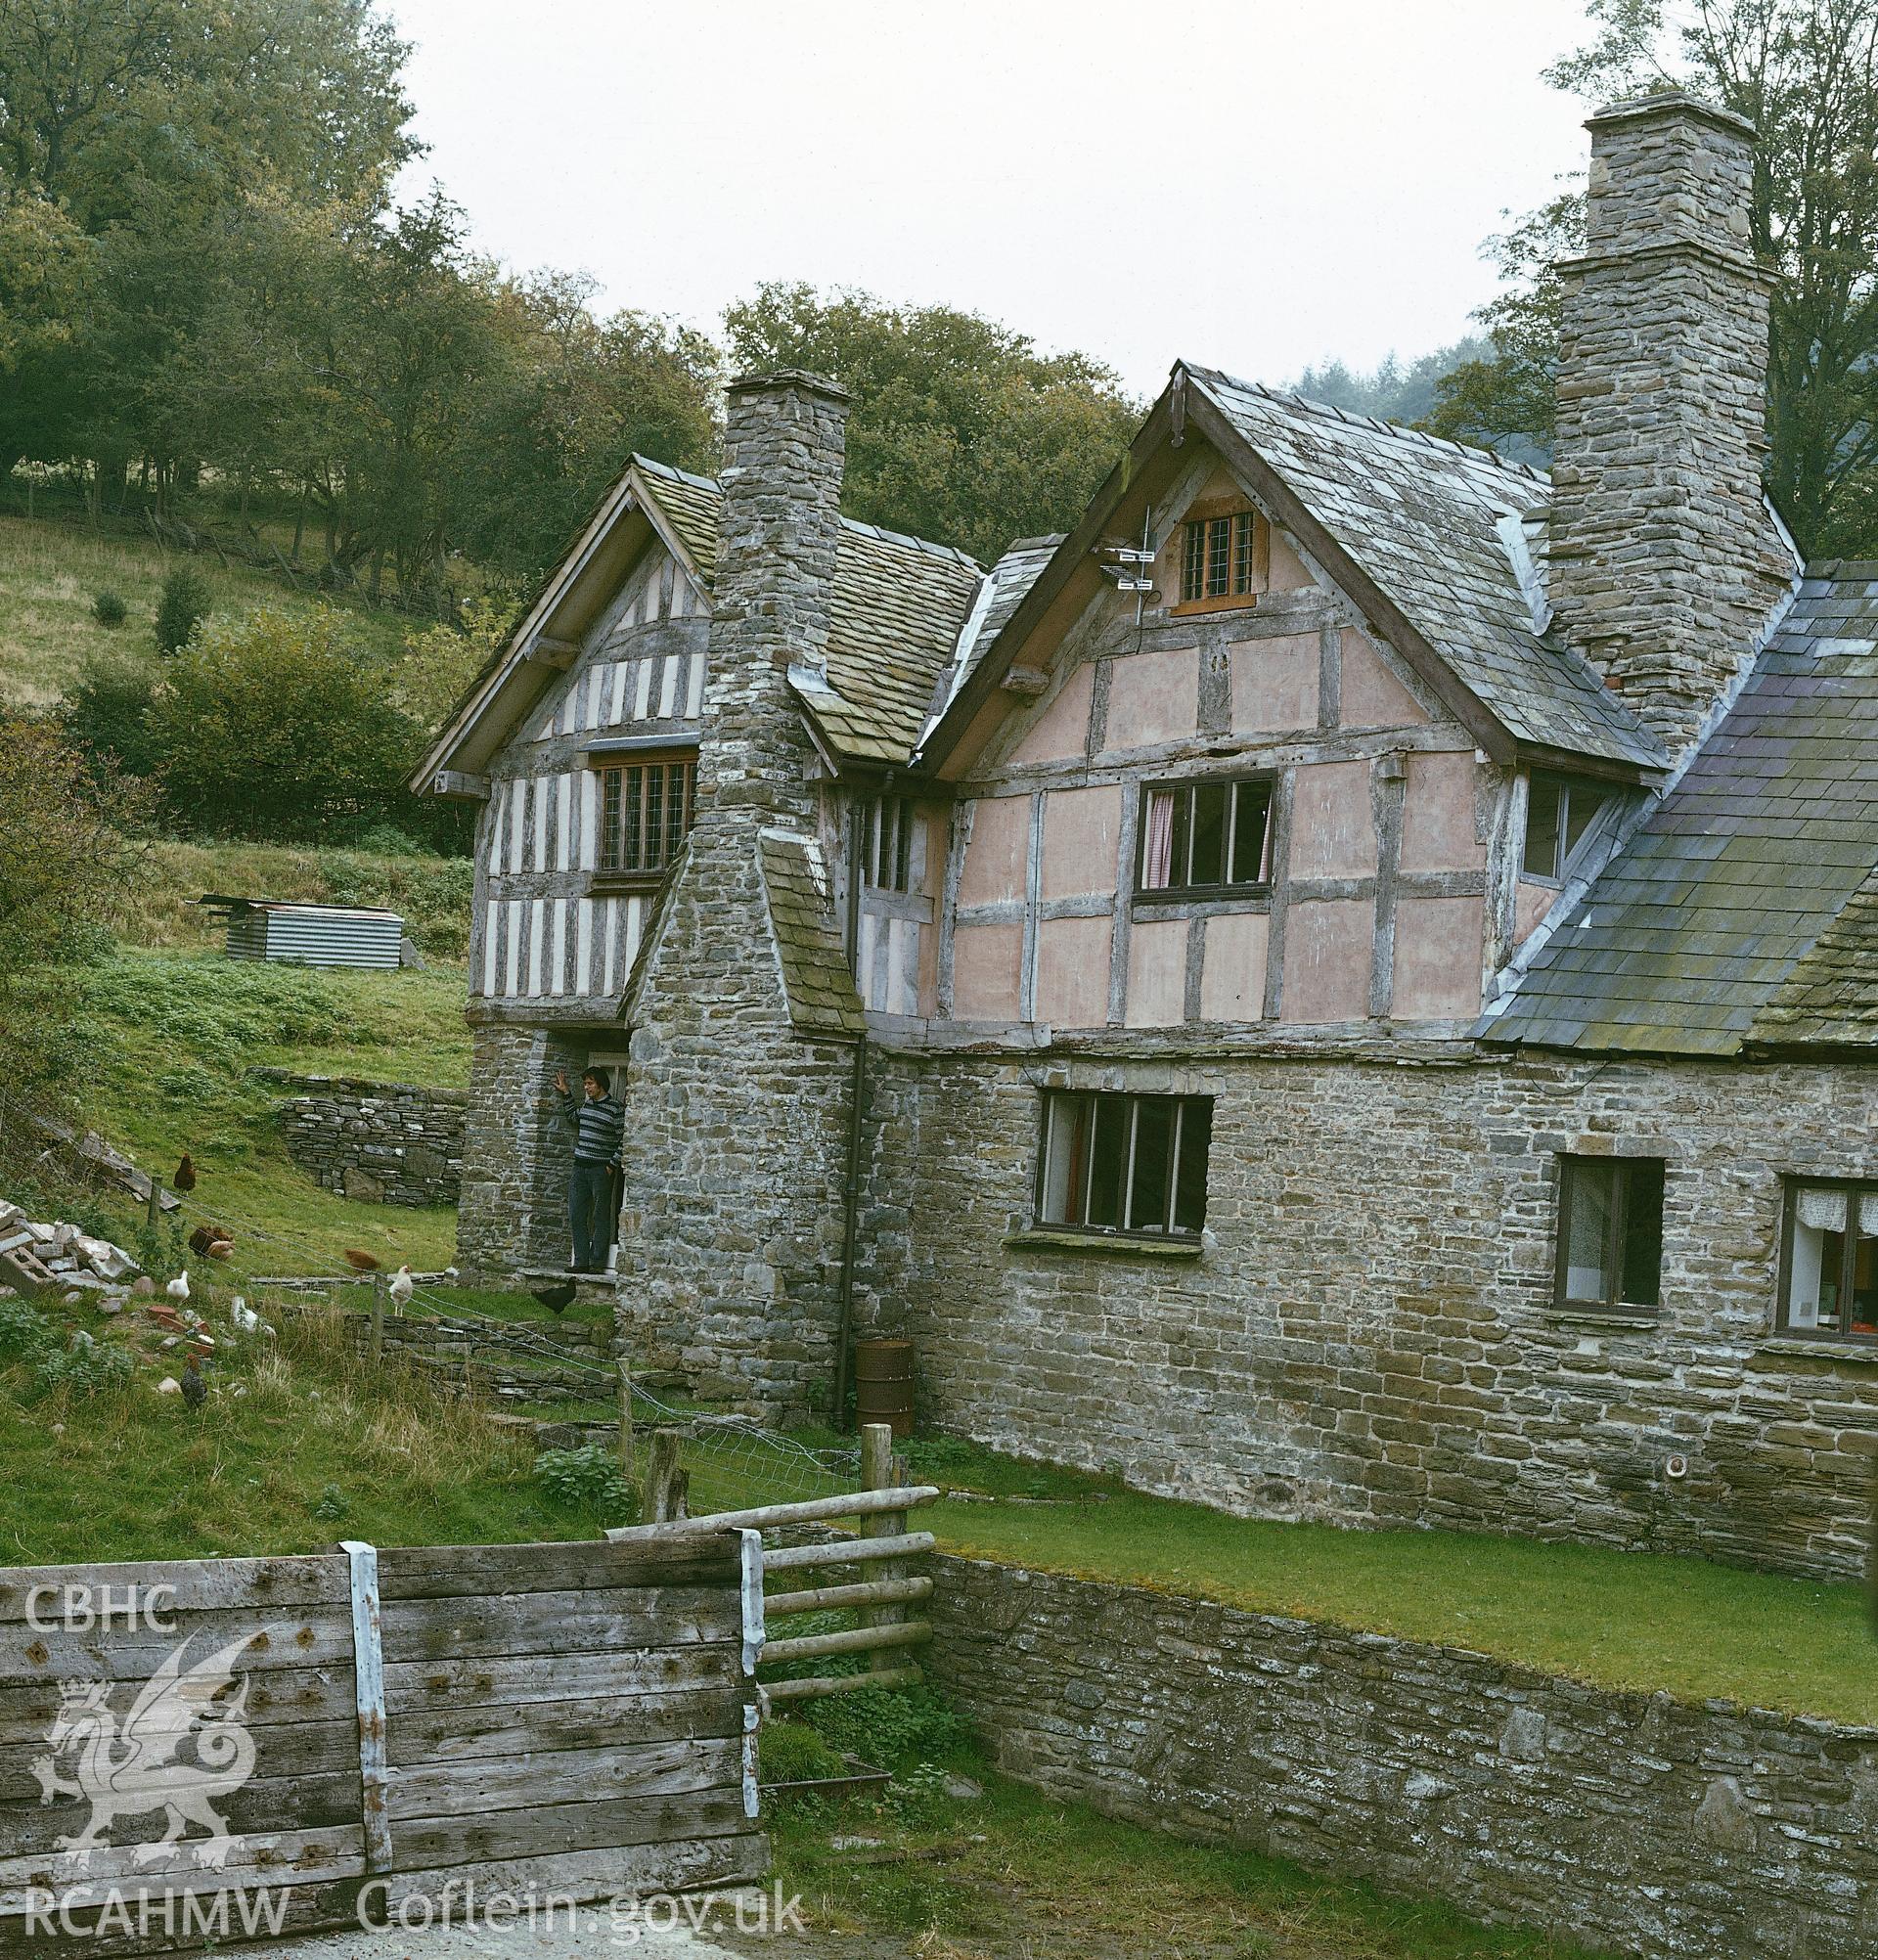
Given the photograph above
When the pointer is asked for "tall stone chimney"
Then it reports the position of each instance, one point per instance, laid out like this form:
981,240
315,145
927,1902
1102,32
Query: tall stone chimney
784,444
1664,562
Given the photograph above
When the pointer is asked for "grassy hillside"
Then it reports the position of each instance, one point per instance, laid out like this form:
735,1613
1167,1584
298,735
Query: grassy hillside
49,572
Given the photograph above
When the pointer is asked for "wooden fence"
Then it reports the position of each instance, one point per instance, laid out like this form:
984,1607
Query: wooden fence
323,1739
886,1633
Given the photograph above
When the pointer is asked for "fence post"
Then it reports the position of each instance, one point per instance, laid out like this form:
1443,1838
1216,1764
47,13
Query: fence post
626,1414
877,1474
665,1481
368,1669
377,1318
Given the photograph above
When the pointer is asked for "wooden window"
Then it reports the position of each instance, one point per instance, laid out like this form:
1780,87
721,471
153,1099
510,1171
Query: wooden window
886,844
645,808
1610,1233
1223,559
1124,1162
1559,811
1829,1262
1205,836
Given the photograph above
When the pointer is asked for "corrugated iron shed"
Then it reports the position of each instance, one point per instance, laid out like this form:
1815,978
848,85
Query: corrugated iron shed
311,935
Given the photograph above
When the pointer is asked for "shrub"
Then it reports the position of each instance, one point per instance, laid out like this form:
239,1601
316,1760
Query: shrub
107,714
279,727
84,1369
588,1478
791,1751
889,1728
108,608
183,606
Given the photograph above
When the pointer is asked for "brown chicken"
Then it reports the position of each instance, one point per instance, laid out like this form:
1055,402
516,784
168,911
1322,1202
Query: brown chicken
185,1177
204,1240
359,1262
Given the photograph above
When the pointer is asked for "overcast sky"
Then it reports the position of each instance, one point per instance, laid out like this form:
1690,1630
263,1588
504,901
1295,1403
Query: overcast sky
1253,186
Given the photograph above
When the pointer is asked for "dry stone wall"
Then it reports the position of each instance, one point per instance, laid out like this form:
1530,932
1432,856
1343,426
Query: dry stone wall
1632,1822
387,1142
1369,1334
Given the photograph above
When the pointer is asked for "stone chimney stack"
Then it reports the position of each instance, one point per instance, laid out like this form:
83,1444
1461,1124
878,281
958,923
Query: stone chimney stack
784,447
1664,562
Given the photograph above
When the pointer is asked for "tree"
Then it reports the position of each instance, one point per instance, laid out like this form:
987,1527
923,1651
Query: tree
279,727
961,431
1806,74
1393,391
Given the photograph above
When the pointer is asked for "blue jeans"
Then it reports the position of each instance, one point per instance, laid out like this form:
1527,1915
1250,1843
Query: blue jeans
590,1212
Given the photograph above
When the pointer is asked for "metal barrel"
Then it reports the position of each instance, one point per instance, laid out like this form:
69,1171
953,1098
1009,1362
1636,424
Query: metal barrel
883,1384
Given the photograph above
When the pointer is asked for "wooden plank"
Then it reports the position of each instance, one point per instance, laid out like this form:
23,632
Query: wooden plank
437,1572
834,1598
572,1777
535,1623
271,1640
269,1857
324,1803
856,1640
197,1922
550,1678
368,1673
286,1695
686,1864
571,1827
751,1597
296,1749
810,1686
765,1517
453,1732
317,1579
848,1551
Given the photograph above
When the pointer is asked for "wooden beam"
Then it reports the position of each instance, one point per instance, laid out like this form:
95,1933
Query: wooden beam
1030,682
545,651
368,1669
812,1685
461,784
813,1510
848,1551
834,1598
854,1640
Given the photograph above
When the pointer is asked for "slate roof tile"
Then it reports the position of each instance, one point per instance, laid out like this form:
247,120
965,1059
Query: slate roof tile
814,971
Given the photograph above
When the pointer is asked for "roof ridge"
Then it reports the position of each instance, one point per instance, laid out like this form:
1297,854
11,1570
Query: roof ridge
857,524
1291,398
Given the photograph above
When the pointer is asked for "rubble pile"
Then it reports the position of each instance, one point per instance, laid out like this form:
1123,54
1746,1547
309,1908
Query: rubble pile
35,1256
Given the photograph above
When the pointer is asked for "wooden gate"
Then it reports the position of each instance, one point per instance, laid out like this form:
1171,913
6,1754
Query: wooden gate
224,1748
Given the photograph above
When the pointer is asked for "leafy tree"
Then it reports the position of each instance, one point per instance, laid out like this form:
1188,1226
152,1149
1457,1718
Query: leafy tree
107,714
278,726
1806,74
961,431
1393,391
439,662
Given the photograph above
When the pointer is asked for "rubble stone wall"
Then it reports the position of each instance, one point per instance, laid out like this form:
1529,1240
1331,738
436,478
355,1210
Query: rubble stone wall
387,1142
1634,1822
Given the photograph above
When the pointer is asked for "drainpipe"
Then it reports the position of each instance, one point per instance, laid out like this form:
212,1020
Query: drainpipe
850,1185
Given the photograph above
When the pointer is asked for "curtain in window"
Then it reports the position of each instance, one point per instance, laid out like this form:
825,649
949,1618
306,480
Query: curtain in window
1824,1211
1158,860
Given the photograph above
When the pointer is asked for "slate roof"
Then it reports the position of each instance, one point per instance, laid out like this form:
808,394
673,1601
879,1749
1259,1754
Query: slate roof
1423,518
1744,910
898,608
815,969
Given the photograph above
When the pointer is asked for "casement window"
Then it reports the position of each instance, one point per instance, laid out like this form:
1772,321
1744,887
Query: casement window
1125,1163
1222,557
886,844
645,809
1559,811
1829,1262
1610,1233
1205,836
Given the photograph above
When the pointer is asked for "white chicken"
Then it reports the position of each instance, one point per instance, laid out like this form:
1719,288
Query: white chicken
247,1319
178,1288
401,1288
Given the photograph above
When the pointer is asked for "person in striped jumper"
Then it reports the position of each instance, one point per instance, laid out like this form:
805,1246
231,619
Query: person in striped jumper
597,1120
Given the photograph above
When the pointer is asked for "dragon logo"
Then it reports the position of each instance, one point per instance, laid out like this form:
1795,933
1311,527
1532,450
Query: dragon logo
136,1768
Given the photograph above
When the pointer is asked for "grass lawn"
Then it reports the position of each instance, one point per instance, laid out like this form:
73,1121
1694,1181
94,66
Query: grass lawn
165,1040
1015,1876
50,573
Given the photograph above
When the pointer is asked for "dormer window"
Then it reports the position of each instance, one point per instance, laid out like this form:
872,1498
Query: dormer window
1559,814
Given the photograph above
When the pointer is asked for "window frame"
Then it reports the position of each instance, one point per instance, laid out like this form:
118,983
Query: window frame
1565,857
880,837
1235,574
1791,1185
611,763
1168,1233
1223,888
1571,1165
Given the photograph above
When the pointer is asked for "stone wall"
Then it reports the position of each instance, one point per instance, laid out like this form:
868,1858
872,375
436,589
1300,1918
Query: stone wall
1629,1821
1367,1334
512,1212
387,1142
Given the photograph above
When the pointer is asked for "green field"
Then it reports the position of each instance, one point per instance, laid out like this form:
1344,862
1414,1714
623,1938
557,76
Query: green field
51,571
